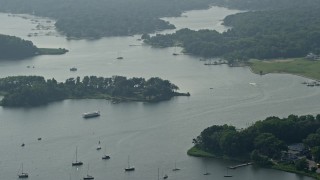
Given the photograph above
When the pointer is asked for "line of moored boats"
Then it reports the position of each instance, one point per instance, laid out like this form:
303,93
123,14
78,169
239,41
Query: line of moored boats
311,83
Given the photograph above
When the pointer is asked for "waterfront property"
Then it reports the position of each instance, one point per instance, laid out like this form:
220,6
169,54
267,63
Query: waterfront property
296,66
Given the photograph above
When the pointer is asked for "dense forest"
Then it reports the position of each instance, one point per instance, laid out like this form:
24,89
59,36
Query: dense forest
12,47
264,140
35,90
258,34
98,18
265,4
16,48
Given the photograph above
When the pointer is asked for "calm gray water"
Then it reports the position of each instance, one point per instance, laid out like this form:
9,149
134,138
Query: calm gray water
153,135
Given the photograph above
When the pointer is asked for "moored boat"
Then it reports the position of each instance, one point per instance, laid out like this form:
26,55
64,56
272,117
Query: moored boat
105,156
129,168
77,163
23,174
91,114
73,69
88,176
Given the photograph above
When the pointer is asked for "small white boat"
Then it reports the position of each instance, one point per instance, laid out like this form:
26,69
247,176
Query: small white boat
91,114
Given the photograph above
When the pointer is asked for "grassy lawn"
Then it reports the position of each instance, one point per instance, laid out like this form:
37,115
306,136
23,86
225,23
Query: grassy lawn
297,66
51,51
194,151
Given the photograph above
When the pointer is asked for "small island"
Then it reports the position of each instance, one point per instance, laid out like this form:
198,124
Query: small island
24,91
12,47
291,144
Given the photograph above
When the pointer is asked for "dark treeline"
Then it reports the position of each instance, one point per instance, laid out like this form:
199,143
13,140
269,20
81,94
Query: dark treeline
264,139
265,4
12,47
35,90
259,34
98,18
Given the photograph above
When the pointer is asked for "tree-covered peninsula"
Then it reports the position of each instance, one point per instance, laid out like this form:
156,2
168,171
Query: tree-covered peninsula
12,47
264,4
100,18
284,33
281,143
35,90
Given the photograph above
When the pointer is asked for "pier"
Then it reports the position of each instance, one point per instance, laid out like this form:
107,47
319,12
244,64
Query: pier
240,165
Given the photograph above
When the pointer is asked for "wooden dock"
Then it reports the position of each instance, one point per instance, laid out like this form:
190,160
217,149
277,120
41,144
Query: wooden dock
240,165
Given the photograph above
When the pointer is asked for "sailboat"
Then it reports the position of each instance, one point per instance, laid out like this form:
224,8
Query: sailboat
22,174
175,167
88,176
77,163
165,176
174,53
129,168
98,147
227,175
206,172
105,156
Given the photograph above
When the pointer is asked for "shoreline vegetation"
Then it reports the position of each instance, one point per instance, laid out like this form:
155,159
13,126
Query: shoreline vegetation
293,32
97,19
196,152
295,66
52,51
12,47
28,91
270,143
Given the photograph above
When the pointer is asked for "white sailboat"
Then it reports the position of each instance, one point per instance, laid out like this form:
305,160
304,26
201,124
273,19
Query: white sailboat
129,168
175,167
22,174
227,175
206,173
105,156
88,176
77,163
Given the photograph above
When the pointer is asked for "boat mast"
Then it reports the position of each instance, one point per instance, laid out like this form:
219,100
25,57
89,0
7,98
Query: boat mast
128,161
76,154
